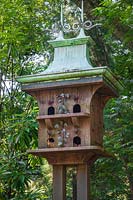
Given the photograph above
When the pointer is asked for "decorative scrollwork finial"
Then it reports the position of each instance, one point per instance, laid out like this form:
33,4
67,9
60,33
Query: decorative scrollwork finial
82,11
72,20
61,14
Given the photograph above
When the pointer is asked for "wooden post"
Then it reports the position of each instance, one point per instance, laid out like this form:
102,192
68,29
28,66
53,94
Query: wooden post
74,185
83,184
59,182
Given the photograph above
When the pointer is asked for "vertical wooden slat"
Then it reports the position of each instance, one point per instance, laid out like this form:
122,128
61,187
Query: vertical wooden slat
83,182
42,134
59,181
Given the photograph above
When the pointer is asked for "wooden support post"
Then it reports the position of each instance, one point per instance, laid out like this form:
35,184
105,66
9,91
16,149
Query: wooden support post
59,182
74,184
83,185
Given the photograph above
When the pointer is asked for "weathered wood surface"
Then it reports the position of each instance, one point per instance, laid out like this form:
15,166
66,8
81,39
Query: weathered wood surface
89,120
96,120
81,114
70,155
59,182
83,182
42,135
91,98
29,88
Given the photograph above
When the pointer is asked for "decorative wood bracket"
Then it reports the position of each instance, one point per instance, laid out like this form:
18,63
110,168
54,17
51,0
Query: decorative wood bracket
74,117
48,123
75,121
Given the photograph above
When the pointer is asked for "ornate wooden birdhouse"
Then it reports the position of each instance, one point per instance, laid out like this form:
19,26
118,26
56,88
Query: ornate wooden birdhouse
71,96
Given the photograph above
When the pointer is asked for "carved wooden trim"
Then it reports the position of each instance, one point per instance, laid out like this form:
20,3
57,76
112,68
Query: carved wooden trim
48,123
81,114
75,121
70,155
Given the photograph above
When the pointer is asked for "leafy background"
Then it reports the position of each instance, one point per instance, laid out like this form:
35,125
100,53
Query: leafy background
24,31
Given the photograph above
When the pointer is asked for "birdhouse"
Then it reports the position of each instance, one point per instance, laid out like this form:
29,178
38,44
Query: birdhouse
71,96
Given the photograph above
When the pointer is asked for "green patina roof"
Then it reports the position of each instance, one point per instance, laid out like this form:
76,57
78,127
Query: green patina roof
71,63
69,42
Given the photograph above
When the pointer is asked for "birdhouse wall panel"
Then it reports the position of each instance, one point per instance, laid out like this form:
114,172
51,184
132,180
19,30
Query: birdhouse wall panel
42,135
41,102
71,94
80,95
84,98
38,95
55,94
85,132
60,127
96,127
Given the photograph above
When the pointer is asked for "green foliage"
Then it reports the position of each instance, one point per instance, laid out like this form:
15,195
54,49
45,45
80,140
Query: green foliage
116,173
22,34
112,179
24,31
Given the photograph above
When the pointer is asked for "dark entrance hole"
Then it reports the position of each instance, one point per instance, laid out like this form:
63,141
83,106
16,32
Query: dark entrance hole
50,142
51,110
76,141
76,108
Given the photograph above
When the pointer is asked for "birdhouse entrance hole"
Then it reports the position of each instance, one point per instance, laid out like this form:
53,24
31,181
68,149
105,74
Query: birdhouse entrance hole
51,110
76,141
76,108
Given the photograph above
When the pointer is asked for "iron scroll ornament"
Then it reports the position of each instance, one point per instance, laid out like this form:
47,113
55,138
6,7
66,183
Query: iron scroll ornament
76,27
77,15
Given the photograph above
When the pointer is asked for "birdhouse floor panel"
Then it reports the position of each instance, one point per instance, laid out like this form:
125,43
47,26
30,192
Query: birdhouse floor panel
63,115
71,155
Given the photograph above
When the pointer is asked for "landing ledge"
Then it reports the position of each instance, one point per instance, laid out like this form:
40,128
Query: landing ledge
70,155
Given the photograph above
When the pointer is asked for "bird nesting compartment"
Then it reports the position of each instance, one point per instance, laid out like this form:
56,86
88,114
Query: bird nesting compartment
70,117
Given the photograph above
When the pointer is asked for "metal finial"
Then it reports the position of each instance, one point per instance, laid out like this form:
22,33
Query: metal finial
82,11
76,26
60,33
61,14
